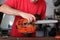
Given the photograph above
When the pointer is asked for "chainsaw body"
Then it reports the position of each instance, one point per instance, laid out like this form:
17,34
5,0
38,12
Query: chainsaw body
24,27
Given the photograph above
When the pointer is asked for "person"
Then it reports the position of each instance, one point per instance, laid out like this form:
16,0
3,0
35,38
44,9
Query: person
25,9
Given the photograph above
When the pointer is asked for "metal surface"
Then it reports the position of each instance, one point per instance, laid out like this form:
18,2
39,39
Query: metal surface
6,21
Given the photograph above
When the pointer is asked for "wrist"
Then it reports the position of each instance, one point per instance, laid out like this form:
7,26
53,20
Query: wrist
21,13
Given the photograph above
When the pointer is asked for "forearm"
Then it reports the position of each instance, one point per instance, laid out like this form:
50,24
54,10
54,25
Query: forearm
8,10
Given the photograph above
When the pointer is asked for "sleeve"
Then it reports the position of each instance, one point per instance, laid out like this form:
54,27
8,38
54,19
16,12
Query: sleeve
43,13
10,3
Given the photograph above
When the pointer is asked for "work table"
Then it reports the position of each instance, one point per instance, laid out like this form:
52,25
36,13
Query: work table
28,38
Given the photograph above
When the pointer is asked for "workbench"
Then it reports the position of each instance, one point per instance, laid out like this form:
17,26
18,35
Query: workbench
28,38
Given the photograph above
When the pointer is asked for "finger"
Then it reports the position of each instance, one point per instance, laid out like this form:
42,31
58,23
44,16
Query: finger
29,19
34,18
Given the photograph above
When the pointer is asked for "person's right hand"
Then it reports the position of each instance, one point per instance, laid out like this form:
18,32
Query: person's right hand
29,17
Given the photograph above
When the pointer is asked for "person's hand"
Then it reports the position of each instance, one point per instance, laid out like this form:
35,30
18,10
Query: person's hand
29,17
